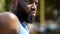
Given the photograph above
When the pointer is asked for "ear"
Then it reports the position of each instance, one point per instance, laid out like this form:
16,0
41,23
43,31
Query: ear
14,4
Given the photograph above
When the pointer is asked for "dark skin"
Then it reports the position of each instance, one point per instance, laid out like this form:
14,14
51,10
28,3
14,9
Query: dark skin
30,6
9,21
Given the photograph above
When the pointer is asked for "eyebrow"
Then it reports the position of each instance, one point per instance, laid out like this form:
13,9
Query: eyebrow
34,0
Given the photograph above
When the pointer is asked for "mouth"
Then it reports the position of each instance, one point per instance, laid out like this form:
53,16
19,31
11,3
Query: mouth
32,13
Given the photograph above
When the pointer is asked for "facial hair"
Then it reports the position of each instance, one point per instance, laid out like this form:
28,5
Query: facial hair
24,15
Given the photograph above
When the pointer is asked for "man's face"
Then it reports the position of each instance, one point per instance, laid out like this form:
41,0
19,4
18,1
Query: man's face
30,6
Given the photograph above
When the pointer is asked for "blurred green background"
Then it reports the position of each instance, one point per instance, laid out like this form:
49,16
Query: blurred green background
50,6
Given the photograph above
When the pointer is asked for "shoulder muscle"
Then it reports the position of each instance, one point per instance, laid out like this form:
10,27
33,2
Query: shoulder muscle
10,21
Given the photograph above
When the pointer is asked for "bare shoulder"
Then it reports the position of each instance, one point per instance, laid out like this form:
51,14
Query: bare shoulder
8,14
9,21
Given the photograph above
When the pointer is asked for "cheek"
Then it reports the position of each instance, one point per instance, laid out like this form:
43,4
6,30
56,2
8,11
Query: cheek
27,8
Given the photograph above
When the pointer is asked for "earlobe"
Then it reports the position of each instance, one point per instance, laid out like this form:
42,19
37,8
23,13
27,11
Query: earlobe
14,4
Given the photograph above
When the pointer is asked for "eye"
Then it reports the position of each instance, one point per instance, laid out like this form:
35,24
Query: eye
36,3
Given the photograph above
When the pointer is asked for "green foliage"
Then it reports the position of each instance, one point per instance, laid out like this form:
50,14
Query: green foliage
2,5
50,5
8,3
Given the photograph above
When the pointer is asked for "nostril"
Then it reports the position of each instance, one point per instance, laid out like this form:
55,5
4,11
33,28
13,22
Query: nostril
32,9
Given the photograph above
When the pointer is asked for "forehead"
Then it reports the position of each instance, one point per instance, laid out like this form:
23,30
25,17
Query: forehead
32,0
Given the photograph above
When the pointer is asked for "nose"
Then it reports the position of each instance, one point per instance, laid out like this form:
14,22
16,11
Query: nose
33,7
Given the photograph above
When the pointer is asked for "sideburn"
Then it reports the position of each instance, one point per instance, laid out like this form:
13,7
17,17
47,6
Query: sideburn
22,14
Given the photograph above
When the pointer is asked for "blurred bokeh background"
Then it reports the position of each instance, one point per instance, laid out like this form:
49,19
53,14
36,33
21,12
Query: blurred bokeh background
47,20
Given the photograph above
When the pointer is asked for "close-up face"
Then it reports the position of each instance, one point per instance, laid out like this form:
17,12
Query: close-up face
30,6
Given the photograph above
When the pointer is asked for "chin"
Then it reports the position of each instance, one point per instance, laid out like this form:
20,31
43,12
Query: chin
31,19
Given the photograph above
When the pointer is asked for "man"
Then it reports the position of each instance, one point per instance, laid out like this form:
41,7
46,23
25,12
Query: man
22,13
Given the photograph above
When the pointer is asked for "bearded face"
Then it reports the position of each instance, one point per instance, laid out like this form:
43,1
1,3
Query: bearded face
26,10
30,8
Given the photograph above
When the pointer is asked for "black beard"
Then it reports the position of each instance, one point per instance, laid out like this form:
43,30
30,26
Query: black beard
30,19
23,15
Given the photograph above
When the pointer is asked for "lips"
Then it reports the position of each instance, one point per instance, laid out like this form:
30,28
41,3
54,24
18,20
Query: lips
32,13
